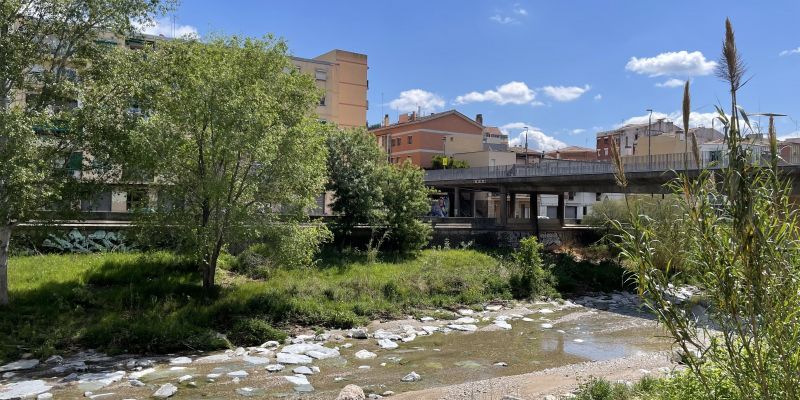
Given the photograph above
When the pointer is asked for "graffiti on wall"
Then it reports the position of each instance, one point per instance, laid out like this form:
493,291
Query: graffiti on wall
97,241
550,239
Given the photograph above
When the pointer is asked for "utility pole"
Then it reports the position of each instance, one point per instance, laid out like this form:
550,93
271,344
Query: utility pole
649,139
444,150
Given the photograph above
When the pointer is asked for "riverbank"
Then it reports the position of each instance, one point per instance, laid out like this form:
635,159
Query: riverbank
508,347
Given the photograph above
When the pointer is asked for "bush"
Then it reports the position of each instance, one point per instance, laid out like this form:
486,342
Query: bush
253,332
579,276
529,278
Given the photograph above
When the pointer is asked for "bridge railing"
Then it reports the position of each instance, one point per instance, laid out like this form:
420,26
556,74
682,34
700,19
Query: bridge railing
644,163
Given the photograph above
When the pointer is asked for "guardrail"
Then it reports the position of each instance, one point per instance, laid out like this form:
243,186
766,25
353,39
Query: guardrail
549,168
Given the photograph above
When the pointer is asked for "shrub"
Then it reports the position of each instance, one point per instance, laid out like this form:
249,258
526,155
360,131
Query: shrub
529,278
253,332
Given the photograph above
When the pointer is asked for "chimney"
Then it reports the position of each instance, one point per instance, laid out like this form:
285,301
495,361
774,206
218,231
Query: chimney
386,120
479,119
413,116
403,118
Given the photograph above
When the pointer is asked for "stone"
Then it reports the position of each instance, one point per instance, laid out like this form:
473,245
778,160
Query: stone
274,368
315,369
54,360
323,353
19,365
387,393
358,333
364,367
545,311
24,389
136,383
502,324
184,378
429,329
101,396
166,391
297,379
247,391
547,326
304,388
351,392
347,345
466,311
300,348
140,374
409,338
526,319
216,358
412,377
180,361
213,376
500,364
494,307
44,396
549,397
236,380
510,397
270,344
238,374
289,358
387,344
255,360
99,380
240,351
427,319
365,355
465,320
578,340
463,328
382,334
303,370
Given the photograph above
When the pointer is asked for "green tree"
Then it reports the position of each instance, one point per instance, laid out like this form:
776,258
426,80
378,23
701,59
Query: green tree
226,130
438,162
42,45
354,164
406,199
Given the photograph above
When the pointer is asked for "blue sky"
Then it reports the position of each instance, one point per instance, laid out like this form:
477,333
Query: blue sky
564,68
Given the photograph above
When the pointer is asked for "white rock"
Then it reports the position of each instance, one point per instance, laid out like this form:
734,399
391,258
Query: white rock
240,351
24,389
500,364
365,355
270,344
578,340
213,376
323,353
140,374
364,367
494,307
297,379
382,334
213,358
547,326
245,391
412,377
545,311
19,365
466,311
429,329
166,391
255,360
463,328
44,396
289,358
315,369
465,320
136,383
427,319
184,378
387,344
526,319
100,380
358,333
303,371
502,324
238,374
409,338
347,345
55,359
180,361
274,367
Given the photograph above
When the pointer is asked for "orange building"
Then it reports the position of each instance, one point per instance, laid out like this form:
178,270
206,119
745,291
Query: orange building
419,139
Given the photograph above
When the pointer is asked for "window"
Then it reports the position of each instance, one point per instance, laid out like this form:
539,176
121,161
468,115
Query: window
321,75
571,195
606,149
571,212
322,101
451,138
597,196
584,210
410,139
137,199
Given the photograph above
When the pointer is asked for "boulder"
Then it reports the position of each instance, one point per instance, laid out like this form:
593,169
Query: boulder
180,360
274,368
351,392
466,311
502,324
289,358
238,374
255,360
365,355
465,320
382,334
387,344
463,328
297,380
166,391
303,370
23,389
216,358
358,333
19,365
427,319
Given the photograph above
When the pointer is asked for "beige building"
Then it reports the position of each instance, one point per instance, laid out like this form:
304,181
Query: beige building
342,75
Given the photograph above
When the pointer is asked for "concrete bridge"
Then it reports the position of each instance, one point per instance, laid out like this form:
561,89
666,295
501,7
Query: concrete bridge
645,175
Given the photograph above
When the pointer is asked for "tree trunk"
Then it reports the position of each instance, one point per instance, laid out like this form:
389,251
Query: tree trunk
209,270
5,239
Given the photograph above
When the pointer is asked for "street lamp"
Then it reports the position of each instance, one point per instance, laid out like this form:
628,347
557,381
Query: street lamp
649,139
526,145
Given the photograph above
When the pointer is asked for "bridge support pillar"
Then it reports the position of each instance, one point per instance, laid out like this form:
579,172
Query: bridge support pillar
503,206
456,202
512,205
560,212
534,212
472,201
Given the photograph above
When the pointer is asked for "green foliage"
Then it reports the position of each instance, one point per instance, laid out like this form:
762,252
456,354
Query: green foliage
226,126
354,164
253,332
155,302
741,249
406,199
529,278
438,162
579,276
287,247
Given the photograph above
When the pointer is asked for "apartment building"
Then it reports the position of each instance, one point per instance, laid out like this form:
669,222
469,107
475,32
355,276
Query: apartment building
342,75
665,138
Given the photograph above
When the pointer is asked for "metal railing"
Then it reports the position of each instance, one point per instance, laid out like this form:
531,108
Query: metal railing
632,164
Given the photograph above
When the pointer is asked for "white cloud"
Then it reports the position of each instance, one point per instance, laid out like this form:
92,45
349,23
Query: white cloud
502,19
565,93
671,83
672,63
520,11
537,140
577,131
789,52
414,99
598,97
695,119
164,27
512,92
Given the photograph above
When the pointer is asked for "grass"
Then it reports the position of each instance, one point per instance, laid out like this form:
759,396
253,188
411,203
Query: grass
154,302
680,386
